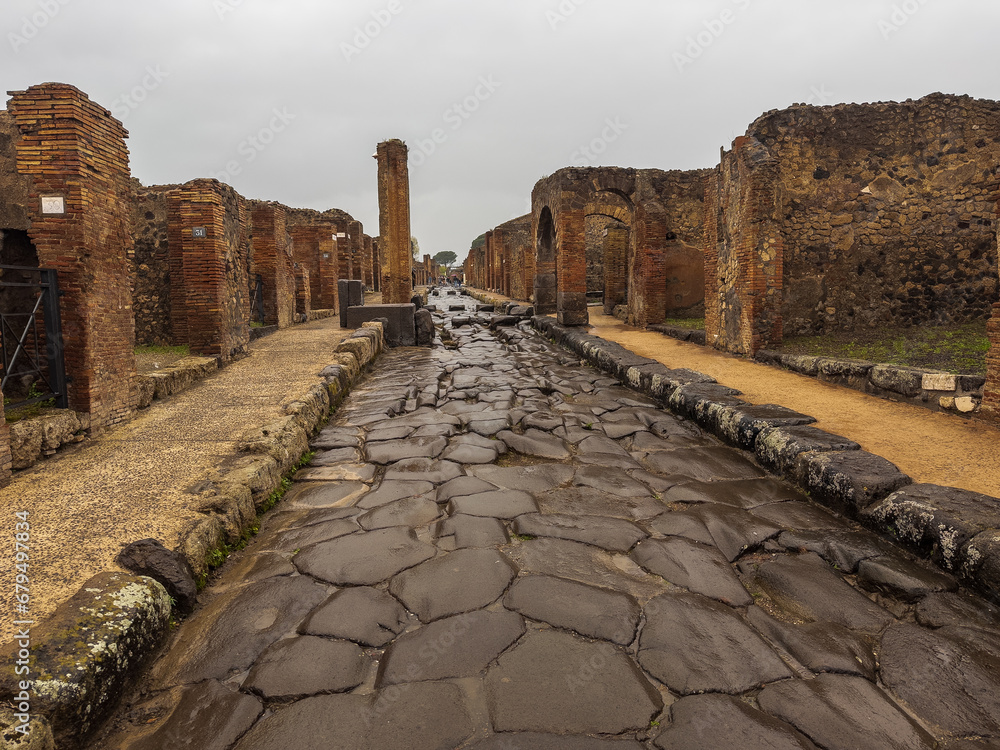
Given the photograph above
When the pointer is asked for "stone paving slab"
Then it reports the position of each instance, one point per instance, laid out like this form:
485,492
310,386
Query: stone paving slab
604,599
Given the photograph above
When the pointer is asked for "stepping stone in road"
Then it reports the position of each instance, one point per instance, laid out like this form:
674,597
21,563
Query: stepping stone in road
710,722
841,712
364,615
558,683
694,644
364,559
588,610
454,583
699,568
307,665
462,532
459,646
612,534
424,716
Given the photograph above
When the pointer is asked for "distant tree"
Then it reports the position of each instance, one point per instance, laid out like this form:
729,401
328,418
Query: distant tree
445,258
414,248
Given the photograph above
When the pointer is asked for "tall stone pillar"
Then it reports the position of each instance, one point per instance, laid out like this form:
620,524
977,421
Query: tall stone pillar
394,222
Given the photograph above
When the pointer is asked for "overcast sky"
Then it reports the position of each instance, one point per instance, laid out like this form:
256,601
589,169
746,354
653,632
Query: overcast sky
286,101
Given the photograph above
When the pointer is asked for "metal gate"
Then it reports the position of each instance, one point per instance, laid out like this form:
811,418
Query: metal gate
257,301
21,340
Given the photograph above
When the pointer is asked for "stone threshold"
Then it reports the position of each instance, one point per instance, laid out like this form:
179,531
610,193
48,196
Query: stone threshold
957,529
88,652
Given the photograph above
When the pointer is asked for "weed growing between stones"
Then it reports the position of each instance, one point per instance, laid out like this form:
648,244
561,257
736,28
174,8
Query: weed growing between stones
220,554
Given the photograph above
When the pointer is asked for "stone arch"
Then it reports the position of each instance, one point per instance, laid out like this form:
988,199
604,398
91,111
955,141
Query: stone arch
546,270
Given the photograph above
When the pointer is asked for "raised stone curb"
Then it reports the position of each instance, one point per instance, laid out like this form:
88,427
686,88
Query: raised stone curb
92,646
960,530
84,655
693,335
931,389
179,376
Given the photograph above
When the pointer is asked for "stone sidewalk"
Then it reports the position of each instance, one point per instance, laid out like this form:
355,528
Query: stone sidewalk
140,479
497,548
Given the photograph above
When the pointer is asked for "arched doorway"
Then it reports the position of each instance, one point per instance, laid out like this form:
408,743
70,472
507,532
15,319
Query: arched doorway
546,278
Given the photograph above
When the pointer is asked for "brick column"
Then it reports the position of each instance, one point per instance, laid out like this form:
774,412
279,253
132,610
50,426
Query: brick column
394,222
74,153
272,257
616,240
571,267
314,247
377,264
356,238
209,263
647,285
369,255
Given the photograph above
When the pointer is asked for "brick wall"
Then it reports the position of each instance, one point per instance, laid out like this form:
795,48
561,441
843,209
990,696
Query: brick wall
616,243
743,251
72,148
394,222
356,243
210,275
272,259
338,222
370,269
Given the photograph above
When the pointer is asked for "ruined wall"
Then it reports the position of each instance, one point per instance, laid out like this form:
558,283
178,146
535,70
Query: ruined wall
356,243
597,227
513,240
272,259
210,275
991,392
889,212
743,250
150,265
315,249
15,188
303,294
74,150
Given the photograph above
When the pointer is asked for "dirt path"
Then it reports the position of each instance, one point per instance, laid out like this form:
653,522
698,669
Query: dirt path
929,446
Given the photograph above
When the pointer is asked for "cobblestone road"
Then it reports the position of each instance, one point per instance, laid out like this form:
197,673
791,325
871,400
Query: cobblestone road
497,548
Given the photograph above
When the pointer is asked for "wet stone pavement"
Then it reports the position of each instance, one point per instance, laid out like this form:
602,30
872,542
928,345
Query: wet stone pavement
498,548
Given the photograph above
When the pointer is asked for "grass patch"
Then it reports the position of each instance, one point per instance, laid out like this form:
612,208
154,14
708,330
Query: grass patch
959,348
697,324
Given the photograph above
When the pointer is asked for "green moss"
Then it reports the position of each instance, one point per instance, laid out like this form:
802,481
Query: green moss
181,351
697,324
959,349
